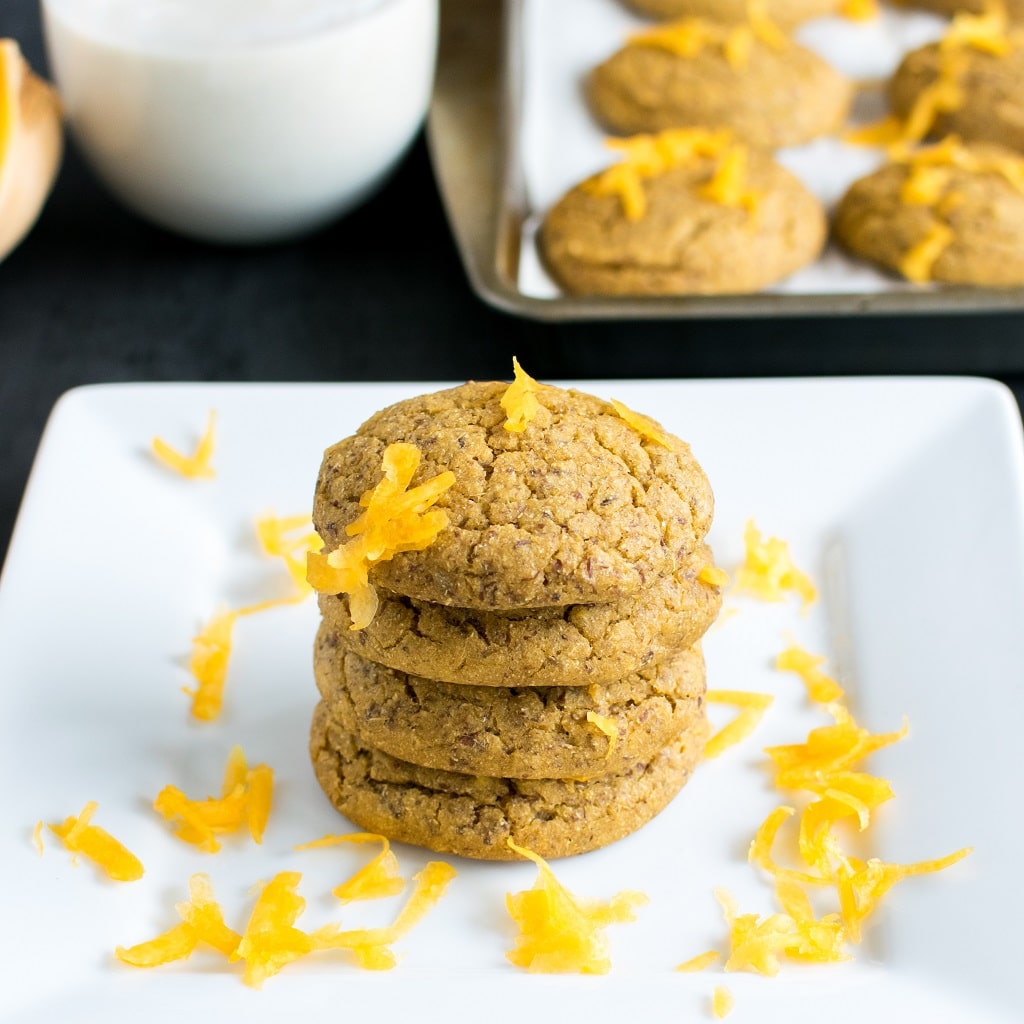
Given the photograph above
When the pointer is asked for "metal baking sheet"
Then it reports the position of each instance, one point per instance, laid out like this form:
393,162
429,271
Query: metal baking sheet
479,155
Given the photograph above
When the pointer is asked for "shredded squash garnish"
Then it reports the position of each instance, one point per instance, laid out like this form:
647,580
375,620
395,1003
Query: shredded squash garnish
559,933
98,845
721,1002
820,687
371,946
713,576
768,571
752,708
860,10
647,156
643,425
271,941
700,962
728,186
211,654
37,838
373,881
520,400
396,519
607,726
198,465
246,796
11,74
919,261
289,538
202,922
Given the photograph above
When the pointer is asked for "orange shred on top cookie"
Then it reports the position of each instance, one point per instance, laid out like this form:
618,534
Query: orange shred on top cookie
559,933
396,519
520,400
198,465
80,836
643,425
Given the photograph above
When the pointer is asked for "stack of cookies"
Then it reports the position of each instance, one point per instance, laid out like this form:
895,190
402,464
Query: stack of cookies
535,673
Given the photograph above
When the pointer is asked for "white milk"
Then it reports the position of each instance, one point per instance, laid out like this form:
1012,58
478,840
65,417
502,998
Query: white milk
242,120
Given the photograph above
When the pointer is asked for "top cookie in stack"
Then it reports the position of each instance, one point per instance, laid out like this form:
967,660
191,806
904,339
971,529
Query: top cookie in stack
568,558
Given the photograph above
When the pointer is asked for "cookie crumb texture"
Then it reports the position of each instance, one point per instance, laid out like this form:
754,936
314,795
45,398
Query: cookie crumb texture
577,508
570,645
684,243
528,733
986,221
472,816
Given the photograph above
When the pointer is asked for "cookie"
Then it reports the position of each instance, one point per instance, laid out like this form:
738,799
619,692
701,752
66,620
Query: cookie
580,507
783,12
775,97
472,816
970,232
991,87
571,645
684,242
520,733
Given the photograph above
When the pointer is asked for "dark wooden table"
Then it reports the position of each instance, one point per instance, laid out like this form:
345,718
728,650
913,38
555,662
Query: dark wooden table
96,295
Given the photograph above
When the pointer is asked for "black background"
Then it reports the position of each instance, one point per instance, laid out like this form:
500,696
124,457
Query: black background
95,295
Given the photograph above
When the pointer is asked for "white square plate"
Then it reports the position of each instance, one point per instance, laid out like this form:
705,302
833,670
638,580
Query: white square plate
903,498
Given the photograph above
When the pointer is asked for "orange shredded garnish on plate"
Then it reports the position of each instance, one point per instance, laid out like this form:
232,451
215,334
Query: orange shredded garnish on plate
559,933
860,10
37,838
699,963
606,725
290,538
195,466
520,400
271,941
396,519
245,800
98,845
643,425
373,881
721,1002
202,921
371,946
821,688
768,570
752,705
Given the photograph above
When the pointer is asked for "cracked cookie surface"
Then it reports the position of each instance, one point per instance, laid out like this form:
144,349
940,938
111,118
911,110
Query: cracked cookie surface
571,645
578,508
472,816
531,733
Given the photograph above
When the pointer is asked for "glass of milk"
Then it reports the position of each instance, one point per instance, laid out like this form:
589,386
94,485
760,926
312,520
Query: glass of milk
242,121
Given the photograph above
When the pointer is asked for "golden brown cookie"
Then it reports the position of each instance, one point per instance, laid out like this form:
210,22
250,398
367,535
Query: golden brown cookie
991,88
579,507
783,12
571,645
520,733
961,222
472,816
684,242
773,97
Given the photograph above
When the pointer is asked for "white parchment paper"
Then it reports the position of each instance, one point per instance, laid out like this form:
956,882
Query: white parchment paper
560,143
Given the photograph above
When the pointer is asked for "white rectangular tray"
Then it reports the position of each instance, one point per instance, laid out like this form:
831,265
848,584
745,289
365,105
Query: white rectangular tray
903,498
